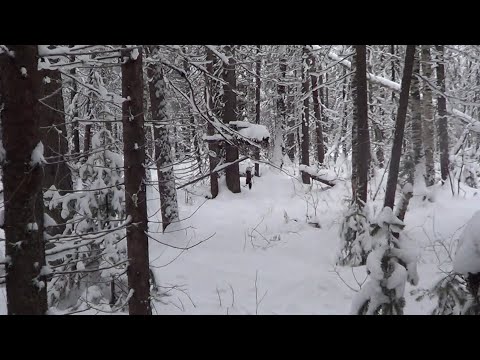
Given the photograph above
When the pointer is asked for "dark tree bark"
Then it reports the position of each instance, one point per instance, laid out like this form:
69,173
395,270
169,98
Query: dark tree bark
399,128
22,181
135,194
317,80
281,118
75,124
258,86
214,153
230,114
163,159
442,113
53,131
305,138
87,140
360,116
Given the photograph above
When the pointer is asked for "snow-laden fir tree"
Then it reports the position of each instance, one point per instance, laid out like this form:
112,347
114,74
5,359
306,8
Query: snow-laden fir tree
94,238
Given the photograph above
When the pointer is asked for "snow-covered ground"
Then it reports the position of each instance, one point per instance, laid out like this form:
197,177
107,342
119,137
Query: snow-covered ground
258,262
264,257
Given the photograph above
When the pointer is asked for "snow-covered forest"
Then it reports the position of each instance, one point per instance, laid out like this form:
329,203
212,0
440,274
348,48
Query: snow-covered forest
240,179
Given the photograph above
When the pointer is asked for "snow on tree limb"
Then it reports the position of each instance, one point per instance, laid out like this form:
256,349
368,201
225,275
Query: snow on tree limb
221,56
456,114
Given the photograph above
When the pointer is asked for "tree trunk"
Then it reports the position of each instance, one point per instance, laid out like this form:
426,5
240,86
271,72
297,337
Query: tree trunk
316,81
280,120
54,138
417,138
230,114
428,124
87,140
192,127
442,112
75,124
135,194
360,118
258,87
291,112
389,200
213,157
22,181
305,138
163,157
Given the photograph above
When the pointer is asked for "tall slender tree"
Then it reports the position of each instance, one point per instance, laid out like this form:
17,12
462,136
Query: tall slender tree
428,121
360,115
213,149
317,81
135,194
305,136
230,114
442,112
258,88
163,157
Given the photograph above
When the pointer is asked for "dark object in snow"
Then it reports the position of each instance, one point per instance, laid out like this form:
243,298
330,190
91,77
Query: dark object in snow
249,178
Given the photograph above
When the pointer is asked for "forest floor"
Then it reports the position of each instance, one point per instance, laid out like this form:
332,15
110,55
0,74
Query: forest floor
259,263
265,258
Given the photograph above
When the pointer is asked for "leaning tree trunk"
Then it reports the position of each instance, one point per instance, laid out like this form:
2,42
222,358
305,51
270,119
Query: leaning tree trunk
22,182
54,138
317,81
163,158
213,149
305,137
135,194
392,181
230,114
442,112
360,145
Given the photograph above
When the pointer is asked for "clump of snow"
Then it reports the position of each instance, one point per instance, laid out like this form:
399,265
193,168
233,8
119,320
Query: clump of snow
386,218
23,71
251,131
374,263
397,280
134,54
48,220
32,226
37,155
467,256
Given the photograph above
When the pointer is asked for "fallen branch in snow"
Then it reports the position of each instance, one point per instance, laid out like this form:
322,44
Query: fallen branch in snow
257,302
315,175
219,297
180,248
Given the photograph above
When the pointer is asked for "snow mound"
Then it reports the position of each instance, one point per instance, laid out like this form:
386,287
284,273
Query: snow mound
467,256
